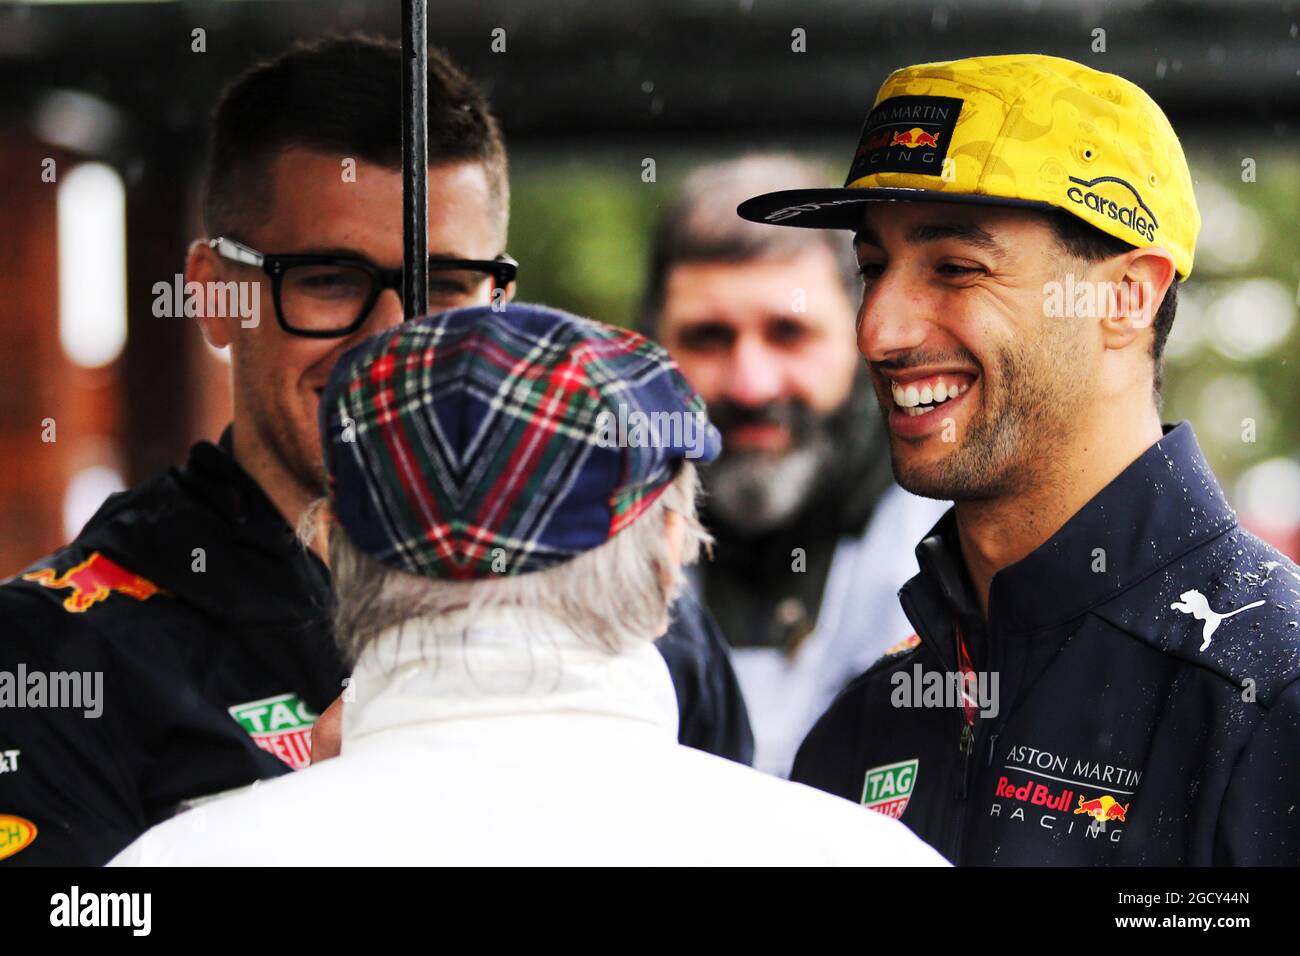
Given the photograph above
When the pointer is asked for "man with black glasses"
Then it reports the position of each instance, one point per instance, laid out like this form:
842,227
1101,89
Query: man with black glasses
189,598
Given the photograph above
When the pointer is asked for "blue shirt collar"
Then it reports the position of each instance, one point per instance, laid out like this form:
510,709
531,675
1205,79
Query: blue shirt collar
1163,505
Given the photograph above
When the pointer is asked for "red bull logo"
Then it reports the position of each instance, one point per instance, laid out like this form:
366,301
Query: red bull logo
1103,808
92,581
915,137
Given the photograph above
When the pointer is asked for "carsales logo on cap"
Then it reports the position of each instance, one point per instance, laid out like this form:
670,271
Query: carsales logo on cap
1107,195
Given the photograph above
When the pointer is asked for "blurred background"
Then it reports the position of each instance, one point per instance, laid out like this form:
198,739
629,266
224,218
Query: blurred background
114,98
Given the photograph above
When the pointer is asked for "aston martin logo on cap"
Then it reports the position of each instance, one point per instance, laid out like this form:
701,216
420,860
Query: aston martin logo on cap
906,134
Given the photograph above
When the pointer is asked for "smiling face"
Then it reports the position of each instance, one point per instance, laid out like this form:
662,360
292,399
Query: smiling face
761,336
980,389
278,377
767,343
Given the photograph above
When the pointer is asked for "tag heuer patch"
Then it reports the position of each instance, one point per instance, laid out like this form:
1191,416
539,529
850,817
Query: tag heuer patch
888,788
279,725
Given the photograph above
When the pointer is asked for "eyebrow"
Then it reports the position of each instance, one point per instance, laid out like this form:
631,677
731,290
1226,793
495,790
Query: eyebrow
926,232
343,252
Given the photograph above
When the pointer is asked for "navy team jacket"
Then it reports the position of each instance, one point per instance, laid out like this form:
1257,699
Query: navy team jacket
1146,709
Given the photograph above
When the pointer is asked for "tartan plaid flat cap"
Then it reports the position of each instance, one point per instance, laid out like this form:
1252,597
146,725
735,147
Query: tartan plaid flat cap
488,441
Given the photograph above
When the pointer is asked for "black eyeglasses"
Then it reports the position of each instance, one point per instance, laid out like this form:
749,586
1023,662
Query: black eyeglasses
324,297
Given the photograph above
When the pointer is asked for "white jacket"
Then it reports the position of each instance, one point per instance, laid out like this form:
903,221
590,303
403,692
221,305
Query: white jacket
512,742
860,618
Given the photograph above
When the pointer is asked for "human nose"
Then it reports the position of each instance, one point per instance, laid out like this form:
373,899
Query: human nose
386,313
892,318
755,377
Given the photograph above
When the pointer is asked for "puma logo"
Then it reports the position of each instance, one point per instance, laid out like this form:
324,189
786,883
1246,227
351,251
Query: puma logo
1195,604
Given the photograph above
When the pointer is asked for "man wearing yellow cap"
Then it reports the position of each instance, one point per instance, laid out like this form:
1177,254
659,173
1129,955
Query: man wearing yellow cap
1105,664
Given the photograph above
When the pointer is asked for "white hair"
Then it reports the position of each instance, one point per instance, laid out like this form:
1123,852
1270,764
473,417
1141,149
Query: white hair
612,595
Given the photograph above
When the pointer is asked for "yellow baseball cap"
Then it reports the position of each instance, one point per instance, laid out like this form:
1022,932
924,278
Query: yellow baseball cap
1024,130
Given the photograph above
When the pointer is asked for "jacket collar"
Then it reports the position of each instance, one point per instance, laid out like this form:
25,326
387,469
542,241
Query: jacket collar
940,593
1163,505
255,571
501,663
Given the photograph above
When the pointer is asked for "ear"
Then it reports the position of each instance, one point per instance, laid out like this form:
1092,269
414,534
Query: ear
203,265
1145,277
511,289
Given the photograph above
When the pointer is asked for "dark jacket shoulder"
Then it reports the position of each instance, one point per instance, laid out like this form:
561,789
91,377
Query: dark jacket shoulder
1231,606
713,717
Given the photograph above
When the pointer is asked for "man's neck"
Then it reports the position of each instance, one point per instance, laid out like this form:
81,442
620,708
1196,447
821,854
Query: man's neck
998,532
288,494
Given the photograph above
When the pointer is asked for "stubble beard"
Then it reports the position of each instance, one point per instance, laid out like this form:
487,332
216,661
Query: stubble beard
295,450
1011,442
302,458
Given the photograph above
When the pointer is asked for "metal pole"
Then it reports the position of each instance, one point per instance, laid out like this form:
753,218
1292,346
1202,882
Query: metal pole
415,159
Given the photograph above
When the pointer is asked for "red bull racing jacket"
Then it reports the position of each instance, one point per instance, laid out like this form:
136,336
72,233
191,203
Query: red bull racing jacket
1132,698
181,648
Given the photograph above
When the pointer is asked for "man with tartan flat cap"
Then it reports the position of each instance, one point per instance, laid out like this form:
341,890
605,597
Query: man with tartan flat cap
479,443
512,493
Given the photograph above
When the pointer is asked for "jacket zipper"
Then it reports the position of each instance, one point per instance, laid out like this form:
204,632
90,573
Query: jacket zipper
965,745
995,663
968,745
